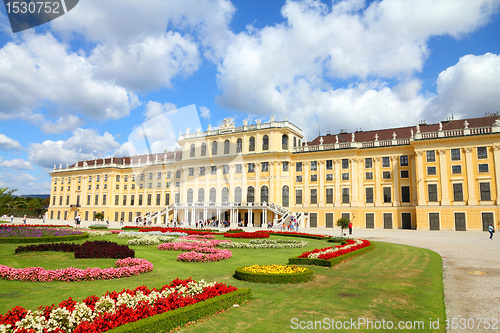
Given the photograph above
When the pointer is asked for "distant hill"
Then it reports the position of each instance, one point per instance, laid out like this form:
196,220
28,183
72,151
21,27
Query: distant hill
41,196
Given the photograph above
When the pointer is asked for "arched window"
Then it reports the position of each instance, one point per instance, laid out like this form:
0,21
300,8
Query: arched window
201,195
191,151
214,148
226,147
190,196
239,145
250,194
237,194
213,195
225,195
264,194
294,141
203,149
285,201
265,142
300,143
284,142
251,144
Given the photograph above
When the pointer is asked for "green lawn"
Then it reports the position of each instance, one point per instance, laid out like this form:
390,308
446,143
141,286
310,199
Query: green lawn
392,283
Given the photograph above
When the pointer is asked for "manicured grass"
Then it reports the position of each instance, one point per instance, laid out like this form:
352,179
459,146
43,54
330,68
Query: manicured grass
392,282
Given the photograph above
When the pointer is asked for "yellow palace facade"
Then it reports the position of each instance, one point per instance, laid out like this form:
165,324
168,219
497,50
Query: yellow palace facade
441,176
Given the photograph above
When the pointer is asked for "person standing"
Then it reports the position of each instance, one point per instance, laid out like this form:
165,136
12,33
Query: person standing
491,229
350,228
43,218
24,219
121,221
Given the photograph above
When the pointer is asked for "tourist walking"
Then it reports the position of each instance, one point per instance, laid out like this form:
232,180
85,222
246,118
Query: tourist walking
350,228
491,230
24,219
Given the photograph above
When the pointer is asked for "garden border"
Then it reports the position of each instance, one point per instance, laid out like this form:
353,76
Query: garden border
330,262
300,277
173,319
16,240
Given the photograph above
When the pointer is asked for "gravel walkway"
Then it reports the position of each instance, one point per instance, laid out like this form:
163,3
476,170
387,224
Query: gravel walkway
471,268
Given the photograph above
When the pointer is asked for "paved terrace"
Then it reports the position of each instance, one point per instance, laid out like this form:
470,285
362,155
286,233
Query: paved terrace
471,264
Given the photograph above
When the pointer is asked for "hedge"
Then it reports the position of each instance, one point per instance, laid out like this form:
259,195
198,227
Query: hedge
240,274
331,262
173,319
98,226
43,239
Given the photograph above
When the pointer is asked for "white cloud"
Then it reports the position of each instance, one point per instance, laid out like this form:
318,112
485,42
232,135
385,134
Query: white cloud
17,164
469,88
302,64
155,41
149,63
154,109
83,144
64,123
38,71
204,112
24,182
7,143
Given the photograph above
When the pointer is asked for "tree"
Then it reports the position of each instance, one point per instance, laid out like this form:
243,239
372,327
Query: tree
6,199
343,223
99,216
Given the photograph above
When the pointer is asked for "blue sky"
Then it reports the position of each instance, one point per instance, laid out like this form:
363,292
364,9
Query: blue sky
77,87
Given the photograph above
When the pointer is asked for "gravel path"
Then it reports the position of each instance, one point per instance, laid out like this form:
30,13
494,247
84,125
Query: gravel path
471,268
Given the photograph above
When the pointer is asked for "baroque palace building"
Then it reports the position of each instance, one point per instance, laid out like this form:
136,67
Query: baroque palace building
441,176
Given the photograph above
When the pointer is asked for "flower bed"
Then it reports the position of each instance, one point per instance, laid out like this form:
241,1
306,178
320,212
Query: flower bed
297,234
124,268
184,230
331,256
41,225
94,314
198,237
16,234
94,249
257,234
139,238
265,244
274,274
199,251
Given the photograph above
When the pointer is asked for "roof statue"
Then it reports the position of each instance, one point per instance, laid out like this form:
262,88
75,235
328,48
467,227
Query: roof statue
394,135
411,132
188,130
227,123
466,124
321,140
440,126
376,137
336,139
245,122
271,118
258,121
209,127
352,137
418,128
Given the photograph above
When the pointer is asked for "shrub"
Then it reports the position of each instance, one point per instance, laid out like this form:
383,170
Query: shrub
98,226
94,249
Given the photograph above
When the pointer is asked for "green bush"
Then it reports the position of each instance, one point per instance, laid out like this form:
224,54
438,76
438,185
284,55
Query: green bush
43,239
98,226
330,262
240,274
173,319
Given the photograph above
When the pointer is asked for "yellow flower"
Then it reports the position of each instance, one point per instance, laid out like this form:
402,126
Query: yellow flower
274,269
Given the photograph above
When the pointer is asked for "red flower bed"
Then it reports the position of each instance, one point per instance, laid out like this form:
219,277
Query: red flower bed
178,294
187,231
336,251
93,249
291,233
257,234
